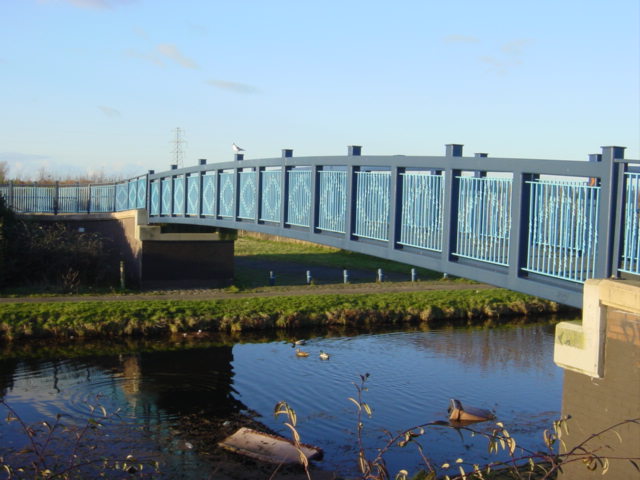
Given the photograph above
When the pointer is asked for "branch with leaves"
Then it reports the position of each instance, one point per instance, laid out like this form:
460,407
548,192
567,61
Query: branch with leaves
40,459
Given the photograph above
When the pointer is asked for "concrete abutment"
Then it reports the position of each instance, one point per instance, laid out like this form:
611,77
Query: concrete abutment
601,358
154,258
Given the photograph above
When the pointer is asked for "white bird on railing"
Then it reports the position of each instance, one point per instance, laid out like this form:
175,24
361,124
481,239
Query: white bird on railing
236,148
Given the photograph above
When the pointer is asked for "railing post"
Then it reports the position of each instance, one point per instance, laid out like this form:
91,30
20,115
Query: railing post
284,191
147,200
610,215
56,199
354,150
480,173
450,210
519,233
284,188
236,193
89,199
202,162
185,195
315,200
259,187
350,210
10,199
395,205
218,194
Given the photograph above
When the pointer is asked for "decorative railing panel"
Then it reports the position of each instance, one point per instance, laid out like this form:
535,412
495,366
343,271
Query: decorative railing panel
133,194
32,199
102,198
422,211
484,219
299,206
193,194
227,194
271,195
563,230
630,261
122,196
248,195
372,205
166,196
178,195
209,194
155,197
141,200
73,198
333,200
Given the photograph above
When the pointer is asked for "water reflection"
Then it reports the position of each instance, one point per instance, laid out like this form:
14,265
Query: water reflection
171,392
520,347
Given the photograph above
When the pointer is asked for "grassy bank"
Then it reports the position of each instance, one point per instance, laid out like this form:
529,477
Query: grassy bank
159,317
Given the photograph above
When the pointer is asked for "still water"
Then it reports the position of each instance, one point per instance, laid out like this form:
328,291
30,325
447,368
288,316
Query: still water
168,392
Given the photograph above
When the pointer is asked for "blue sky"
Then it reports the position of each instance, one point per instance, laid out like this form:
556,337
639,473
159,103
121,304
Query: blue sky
103,84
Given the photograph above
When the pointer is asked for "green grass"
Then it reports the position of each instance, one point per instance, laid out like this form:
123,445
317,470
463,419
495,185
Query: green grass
311,254
161,317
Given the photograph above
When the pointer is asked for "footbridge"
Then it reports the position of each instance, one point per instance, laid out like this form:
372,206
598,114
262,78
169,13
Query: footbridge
541,227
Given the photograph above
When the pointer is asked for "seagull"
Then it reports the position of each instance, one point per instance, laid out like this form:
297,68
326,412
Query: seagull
236,148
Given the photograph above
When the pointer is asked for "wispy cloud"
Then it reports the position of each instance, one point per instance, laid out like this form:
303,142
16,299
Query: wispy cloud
455,38
171,52
147,57
109,112
515,47
96,4
511,54
235,87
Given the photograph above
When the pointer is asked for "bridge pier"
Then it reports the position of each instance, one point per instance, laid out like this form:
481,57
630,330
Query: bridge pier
601,358
156,256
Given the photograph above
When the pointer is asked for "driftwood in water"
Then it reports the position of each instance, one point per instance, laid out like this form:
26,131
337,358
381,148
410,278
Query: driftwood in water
268,448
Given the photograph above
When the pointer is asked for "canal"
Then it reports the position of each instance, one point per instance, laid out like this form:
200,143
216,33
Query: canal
172,400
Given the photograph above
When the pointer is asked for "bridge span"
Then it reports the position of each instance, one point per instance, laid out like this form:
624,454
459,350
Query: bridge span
541,227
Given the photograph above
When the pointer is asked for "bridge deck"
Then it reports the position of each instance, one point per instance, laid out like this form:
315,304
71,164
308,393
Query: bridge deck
535,226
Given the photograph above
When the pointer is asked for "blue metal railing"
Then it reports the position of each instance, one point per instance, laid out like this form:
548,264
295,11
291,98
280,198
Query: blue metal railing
484,219
563,230
631,246
333,198
538,226
422,200
372,205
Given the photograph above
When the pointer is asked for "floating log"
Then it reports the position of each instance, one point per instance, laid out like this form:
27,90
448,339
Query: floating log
460,414
268,448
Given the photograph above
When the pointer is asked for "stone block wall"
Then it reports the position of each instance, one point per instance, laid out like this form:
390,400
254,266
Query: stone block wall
610,394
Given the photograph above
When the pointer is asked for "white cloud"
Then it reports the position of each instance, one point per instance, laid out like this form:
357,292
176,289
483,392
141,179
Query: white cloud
109,111
235,87
171,52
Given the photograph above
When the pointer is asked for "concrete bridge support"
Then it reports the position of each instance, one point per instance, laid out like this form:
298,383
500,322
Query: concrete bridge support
601,358
160,257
